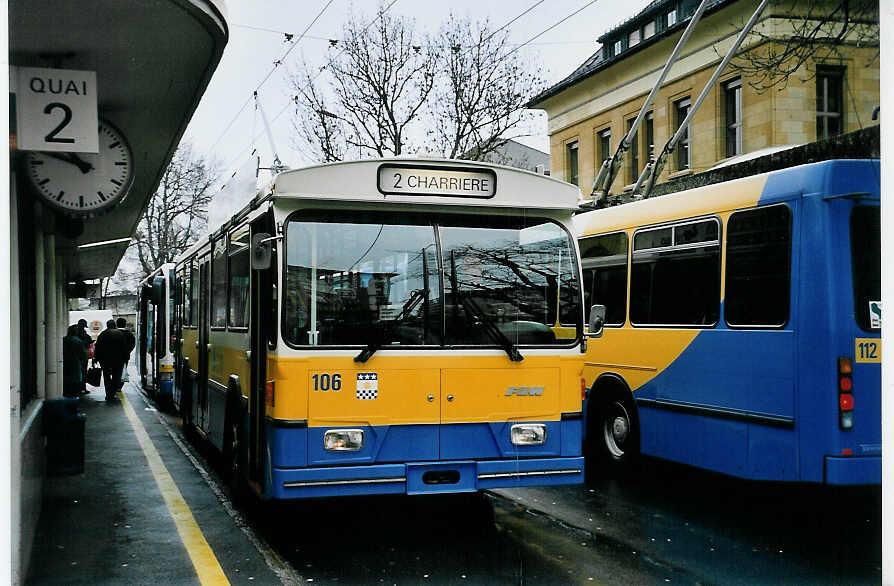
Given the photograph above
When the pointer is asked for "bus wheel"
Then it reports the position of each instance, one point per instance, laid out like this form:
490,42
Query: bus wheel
616,433
232,455
186,409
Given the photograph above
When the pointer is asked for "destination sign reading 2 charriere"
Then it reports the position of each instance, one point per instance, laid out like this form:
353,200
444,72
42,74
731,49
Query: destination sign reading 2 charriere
434,180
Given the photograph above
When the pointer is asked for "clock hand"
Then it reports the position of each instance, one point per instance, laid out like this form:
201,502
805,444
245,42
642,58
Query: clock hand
83,165
75,160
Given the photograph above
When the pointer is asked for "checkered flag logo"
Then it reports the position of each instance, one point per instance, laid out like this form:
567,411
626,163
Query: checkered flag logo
367,386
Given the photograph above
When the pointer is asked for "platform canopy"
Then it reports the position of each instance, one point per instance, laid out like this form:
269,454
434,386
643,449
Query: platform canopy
153,60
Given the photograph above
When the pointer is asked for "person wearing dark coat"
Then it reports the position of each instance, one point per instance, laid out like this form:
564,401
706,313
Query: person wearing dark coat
74,354
131,344
111,353
87,339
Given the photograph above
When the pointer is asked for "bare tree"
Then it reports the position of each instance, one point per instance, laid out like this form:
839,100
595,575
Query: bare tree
478,103
378,82
313,124
816,31
178,210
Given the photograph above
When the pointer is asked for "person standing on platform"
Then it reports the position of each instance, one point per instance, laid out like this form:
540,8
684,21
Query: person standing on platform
131,344
74,355
87,339
111,353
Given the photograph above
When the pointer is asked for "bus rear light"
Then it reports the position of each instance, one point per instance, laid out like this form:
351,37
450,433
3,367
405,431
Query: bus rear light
845,366
583,389
845,393
847,420
847,452
270,393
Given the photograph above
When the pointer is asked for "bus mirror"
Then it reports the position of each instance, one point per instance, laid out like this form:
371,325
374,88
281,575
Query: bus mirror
597,320
261,251
158,291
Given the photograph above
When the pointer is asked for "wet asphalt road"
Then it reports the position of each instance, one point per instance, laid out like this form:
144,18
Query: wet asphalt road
665,524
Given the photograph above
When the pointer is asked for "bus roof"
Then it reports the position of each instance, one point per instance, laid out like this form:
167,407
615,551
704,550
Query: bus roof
835,177
428,181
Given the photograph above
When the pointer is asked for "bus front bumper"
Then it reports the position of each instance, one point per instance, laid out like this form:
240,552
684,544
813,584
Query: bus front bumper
425,477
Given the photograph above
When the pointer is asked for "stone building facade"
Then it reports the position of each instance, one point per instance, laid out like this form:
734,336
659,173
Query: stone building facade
591,110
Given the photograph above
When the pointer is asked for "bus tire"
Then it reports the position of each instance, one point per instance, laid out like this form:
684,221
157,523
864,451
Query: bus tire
185,407
232,450
613,431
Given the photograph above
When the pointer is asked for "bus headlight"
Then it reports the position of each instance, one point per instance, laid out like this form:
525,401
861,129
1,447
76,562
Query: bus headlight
528,434
343,440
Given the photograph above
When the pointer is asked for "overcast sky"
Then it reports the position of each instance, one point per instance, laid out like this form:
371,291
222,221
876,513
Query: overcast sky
250,55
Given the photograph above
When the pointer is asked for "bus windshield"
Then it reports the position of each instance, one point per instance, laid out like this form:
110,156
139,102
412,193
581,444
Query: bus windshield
361,278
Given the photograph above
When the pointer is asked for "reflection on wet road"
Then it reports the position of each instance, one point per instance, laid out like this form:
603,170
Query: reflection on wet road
455,539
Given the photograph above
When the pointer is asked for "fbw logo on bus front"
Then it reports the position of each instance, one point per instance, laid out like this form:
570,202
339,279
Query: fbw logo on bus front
524,391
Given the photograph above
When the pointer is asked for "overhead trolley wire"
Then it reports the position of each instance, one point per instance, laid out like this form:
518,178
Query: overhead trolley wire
289,103
390,4
277,63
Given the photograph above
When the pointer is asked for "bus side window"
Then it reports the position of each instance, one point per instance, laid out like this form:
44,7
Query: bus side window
758,267
604,262
675,275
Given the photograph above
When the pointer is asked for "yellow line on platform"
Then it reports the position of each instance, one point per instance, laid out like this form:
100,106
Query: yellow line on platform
203,558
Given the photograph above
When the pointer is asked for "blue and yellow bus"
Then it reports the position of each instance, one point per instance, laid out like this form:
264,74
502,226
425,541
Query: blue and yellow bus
155,329
388,326
741,326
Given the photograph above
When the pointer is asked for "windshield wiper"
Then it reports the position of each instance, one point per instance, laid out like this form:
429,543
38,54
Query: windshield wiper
416,297
495,333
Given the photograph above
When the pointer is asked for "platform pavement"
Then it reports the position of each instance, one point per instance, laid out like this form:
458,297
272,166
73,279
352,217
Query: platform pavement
112,524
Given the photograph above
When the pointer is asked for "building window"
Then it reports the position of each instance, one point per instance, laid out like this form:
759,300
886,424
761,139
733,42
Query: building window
733,98
649,29
605,145
617,47
829,119
671,18
681,107
650,136
633,38
571,159
634,153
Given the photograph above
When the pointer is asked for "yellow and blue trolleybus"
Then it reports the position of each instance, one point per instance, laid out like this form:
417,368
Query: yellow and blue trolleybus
155,329
388,326
742,326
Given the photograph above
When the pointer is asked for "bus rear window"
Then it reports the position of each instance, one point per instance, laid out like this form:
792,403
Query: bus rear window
866,262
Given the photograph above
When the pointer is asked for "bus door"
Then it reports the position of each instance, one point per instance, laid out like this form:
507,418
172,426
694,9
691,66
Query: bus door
203,343
262,324
177,335
143,333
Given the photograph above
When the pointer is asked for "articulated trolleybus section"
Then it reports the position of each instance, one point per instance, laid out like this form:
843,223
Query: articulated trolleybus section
742,326
388,326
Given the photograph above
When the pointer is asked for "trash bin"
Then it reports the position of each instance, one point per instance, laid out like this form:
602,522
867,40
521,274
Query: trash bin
64,428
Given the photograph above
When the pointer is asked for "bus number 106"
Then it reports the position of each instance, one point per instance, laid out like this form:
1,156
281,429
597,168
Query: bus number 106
327,382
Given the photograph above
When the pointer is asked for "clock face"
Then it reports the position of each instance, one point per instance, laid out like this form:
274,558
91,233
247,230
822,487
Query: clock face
84,183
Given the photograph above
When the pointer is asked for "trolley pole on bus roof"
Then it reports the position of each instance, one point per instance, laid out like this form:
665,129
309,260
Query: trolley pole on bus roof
609,170
653,168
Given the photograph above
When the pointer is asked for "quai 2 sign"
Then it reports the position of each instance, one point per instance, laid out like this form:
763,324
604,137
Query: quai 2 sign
56,110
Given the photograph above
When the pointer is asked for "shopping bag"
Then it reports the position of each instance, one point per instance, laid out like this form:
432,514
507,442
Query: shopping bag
94,375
